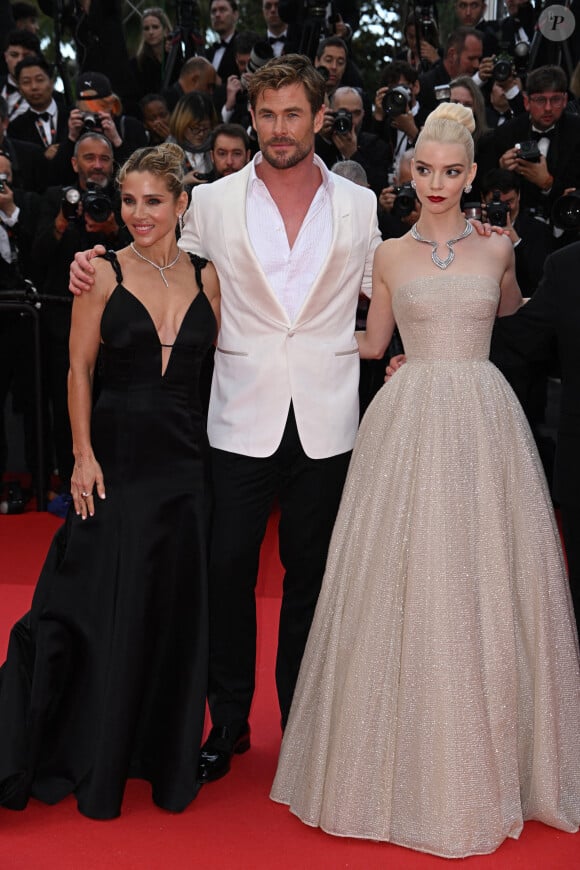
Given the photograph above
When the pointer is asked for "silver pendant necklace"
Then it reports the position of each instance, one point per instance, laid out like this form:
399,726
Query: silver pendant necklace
160,269
442,264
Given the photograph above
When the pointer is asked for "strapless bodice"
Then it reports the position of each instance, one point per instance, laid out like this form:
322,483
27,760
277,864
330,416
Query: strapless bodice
447,317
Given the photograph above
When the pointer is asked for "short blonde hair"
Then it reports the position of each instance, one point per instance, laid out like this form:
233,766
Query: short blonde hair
451,123
165,161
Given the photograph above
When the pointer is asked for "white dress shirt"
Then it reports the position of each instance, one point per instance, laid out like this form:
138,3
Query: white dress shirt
291,271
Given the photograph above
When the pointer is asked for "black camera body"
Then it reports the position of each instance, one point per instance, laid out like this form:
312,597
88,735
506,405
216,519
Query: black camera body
529,151
396,101
342,122
497,211
405,199
502,67
91,122
96,202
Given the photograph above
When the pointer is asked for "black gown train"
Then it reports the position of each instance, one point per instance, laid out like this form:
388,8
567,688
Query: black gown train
105,677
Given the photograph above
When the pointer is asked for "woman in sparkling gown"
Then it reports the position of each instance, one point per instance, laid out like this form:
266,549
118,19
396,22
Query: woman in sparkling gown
438,703
105,678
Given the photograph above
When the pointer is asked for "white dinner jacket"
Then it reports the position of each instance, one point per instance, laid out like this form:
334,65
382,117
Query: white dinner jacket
262,360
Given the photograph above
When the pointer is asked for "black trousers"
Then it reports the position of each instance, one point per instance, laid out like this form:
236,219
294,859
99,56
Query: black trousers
571,529
245,488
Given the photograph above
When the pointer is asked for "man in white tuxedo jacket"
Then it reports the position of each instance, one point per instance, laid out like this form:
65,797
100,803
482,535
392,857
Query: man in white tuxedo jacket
293,247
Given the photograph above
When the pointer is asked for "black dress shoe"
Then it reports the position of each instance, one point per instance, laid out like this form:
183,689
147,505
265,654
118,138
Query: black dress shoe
216,753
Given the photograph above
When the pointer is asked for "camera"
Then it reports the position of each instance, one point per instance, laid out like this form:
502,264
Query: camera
91,122
69,203
529,151
502,67
472,210
442,92
261,53
15,502
3,181
566,211
396,101
96,202
427,24
497,211
342,122
405,199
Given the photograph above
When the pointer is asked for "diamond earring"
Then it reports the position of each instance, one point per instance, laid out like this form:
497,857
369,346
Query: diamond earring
467,188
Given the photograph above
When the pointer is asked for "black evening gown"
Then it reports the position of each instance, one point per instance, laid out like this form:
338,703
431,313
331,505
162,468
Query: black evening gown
105,677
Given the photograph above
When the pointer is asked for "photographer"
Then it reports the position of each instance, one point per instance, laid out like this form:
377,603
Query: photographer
429,51
542,146
71,220
340,138
18,210
397,114
99,110
463,53
235,109
399,207
500,191
331,57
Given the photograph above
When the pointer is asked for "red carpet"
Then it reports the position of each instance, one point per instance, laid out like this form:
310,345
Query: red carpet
232,825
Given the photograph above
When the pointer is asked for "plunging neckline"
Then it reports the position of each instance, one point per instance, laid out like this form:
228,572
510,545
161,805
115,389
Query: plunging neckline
152,323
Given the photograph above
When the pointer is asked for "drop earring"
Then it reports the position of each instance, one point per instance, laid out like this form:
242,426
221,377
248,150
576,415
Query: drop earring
467,188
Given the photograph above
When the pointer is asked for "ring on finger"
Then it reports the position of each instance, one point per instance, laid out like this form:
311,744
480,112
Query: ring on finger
85,494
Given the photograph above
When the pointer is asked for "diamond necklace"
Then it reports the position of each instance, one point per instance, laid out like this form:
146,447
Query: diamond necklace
160,269
442,264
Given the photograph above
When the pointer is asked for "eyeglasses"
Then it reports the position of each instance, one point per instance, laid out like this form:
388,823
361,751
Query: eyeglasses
555,100
199,131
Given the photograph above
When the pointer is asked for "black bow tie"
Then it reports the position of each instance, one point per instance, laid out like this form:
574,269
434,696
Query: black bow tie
223,44
536,135
10,89
274,39
43,116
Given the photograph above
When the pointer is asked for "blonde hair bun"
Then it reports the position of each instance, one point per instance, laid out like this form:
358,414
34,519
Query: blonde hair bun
453,112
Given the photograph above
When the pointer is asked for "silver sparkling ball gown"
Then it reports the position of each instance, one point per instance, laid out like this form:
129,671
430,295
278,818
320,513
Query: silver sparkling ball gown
438,703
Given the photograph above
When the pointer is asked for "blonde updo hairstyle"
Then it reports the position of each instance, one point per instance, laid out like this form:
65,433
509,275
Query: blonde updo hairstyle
449,123
164,161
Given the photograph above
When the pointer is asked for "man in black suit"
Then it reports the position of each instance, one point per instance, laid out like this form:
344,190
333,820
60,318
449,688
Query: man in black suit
553,314
45,121
463,52
470,13
365,148
224,16
556,134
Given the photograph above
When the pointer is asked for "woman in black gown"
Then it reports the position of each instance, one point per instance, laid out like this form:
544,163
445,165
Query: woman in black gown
105,676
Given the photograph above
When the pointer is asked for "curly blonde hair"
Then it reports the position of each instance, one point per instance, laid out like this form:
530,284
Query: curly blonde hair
450,123
165,161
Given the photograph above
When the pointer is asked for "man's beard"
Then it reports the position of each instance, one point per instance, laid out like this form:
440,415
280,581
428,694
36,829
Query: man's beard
285,161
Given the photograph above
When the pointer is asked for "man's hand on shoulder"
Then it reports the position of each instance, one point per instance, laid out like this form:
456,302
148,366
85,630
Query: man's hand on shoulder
82,274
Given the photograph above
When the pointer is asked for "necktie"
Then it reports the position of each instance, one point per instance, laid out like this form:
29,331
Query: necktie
536,135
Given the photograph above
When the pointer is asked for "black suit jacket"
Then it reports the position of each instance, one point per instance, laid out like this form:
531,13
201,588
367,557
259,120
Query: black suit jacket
553,313
437,75
24,126
372,154
563,156
228,65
